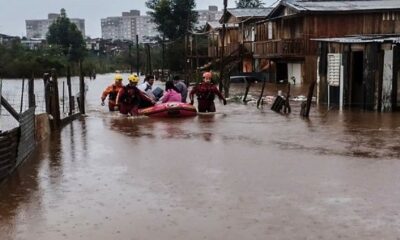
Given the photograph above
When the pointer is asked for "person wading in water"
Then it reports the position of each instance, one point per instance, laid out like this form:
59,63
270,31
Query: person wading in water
205,93
112,92
131,98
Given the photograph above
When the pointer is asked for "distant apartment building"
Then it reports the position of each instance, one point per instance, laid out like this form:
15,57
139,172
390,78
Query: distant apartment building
210,15
39,28
6,39
33,44
127,26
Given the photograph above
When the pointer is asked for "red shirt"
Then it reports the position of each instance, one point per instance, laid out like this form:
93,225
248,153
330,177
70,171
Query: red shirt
206,91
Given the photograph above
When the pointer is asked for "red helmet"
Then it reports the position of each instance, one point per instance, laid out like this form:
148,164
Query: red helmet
207,75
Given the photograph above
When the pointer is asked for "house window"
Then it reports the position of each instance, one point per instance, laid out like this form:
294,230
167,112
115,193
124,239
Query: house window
270,32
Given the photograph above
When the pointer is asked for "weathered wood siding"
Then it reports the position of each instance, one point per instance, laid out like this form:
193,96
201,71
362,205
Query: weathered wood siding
326,25
8,151
396,78
339,25
387,83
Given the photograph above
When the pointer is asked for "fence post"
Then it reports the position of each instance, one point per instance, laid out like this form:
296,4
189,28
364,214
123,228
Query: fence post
22,95
54,100
306,106
46,82
1,87
70,99
81,89
31,92
63,97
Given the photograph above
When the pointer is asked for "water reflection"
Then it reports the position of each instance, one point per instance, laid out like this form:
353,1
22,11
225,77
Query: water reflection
371,135
91,181
24,191
132,126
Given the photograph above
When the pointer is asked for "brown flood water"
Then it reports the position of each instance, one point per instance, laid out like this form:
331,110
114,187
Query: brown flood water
242,173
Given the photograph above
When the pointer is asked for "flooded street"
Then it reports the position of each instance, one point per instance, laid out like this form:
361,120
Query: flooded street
242,173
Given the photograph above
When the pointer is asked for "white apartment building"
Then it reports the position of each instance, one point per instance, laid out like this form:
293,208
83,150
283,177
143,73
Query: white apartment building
39,28
210,15
131,23
146,29
128,26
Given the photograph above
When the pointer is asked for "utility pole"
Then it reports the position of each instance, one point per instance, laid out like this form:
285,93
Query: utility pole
221,74
187,82
163,58
197,54
137,55
130,57
149,70
186,61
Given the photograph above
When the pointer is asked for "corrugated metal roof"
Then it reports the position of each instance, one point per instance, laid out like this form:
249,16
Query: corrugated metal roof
249,12
214,24
342,5
217,25
362,39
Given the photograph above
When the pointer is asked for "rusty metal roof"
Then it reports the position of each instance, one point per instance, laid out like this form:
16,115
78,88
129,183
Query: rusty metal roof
249,12
341,5
362,39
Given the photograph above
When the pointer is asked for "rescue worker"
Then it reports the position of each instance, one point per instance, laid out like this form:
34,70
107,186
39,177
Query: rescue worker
130,97
112,92
206,92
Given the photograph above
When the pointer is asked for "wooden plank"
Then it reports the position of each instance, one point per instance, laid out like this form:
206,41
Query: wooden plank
346,75
9,108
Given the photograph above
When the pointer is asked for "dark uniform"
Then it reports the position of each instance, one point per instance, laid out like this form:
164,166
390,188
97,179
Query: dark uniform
131,98
205,93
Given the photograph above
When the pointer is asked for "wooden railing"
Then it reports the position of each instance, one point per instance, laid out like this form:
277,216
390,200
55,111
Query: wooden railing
213,52
280,48
230,49
248,46
271,48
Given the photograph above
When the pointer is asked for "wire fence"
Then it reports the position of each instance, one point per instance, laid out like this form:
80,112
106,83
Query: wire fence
15,91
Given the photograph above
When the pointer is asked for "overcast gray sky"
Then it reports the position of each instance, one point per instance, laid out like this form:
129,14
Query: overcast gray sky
13,13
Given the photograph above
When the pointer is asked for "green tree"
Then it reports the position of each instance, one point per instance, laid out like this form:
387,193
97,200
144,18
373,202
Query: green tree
66,35
249,4
173,17
18,61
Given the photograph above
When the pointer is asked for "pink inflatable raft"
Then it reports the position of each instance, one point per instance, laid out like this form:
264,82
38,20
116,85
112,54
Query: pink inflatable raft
170,109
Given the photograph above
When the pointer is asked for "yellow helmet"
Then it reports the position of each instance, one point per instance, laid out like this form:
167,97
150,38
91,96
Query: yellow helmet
133,78
118,77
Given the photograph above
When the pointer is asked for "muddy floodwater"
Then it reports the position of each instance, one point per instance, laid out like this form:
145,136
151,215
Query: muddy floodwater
243,173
